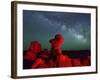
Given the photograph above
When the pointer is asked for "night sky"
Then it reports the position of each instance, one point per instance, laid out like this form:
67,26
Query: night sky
42,26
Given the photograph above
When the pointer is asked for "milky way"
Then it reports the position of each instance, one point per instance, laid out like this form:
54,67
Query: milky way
43,25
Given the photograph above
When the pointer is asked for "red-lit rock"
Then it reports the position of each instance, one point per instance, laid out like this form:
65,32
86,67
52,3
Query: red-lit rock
42,60
86,61
40,63
29,55
33,51
61,60
76,62
35,47
64,61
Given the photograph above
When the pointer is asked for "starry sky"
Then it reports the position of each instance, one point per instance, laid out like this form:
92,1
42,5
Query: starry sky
44,25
